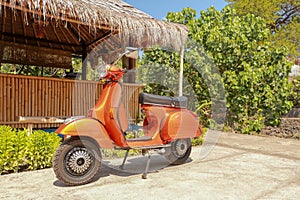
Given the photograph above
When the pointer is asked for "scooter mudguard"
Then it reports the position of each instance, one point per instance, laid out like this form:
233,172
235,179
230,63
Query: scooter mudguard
180,124
88,127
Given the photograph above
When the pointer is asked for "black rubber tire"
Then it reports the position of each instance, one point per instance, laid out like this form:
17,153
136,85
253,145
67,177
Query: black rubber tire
173,156
64,173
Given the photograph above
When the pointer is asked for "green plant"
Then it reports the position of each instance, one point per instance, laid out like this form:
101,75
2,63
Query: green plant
281,16
13,149
41,148
18,151
227,129
199,140
253,70
296,95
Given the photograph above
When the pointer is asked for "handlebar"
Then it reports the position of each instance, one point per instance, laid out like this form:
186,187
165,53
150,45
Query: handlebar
124,70
127,51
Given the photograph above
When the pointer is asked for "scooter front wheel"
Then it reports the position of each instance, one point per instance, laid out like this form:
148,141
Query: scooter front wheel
77,161
179,151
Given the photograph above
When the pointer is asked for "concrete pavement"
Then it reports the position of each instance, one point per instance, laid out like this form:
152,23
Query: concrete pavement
238,167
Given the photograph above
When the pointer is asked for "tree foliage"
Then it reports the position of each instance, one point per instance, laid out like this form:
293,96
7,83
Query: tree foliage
49,71
30,70
281,16
159,69
254,72
296,89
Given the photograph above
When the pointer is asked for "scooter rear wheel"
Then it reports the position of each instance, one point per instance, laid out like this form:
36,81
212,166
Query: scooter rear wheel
77,161
179,151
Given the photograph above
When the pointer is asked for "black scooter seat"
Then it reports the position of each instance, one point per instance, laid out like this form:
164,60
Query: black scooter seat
151,99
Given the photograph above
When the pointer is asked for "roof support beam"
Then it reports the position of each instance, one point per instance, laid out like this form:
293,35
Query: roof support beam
3,23
57,36
99,38
73,33
35,33
37,39
66,37
23,26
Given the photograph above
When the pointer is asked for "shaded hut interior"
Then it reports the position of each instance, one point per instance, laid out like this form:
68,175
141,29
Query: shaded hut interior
49,33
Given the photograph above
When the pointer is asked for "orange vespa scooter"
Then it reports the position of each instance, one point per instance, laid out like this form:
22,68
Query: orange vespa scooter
168,127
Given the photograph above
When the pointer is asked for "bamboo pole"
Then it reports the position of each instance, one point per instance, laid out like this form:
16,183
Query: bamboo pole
181,71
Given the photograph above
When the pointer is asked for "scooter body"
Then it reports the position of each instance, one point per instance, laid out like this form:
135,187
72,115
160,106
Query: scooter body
167,119
168,124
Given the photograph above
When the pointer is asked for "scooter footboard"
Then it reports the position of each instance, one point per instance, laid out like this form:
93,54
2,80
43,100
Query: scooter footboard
180,124
87,127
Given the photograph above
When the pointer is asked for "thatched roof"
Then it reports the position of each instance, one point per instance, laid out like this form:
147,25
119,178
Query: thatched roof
72,26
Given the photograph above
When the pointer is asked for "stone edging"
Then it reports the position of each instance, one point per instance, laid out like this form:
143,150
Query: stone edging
289,128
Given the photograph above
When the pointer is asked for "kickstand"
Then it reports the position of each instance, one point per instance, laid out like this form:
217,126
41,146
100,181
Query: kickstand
144,175
124,160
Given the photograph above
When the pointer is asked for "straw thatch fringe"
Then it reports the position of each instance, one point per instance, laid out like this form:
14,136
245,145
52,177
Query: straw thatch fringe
98,14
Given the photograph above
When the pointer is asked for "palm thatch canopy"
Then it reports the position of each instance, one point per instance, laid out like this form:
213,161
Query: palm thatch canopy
49,32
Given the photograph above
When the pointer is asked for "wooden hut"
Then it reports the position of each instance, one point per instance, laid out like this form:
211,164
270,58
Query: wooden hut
49,33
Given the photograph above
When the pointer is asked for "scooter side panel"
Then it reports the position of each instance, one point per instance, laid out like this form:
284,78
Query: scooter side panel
154,115
180,124
87,127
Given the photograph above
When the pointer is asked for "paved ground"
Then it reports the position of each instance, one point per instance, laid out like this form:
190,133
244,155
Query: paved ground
238,167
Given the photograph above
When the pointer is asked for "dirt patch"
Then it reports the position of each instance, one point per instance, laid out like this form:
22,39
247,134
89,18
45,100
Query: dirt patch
289,128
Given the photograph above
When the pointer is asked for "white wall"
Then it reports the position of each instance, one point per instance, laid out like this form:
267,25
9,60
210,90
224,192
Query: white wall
295,70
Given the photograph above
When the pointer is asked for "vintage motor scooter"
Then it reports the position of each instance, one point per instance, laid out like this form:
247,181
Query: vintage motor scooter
168,127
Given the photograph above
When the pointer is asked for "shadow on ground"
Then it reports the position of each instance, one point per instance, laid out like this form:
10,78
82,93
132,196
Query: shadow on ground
133,166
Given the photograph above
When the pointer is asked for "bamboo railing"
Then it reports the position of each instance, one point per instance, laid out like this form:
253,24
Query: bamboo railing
42,96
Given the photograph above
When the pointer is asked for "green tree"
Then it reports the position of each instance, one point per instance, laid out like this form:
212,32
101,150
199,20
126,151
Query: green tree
48,71
30,70
160,67
281,16
254,72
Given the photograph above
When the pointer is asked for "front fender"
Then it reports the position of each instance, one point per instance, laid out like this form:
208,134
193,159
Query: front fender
88,127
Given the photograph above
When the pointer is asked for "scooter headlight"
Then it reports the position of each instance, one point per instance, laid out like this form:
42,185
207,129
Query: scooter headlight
102,70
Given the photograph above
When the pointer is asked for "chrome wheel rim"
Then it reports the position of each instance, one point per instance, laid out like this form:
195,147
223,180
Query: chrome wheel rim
79,161
181,146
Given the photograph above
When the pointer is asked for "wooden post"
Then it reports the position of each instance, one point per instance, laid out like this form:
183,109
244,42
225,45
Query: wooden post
130,64
181,71
84,63
29,129
132,67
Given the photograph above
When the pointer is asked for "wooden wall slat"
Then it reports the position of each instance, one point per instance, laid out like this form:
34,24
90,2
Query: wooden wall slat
1,99
30,107
12,94
7,95
40,96
22,97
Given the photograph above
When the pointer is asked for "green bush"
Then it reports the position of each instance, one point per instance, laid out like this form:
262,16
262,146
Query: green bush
253,70
12,149
199,141
296,95
18,151
41,148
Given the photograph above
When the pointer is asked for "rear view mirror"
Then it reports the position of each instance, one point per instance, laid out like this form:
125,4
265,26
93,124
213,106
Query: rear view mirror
133,54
